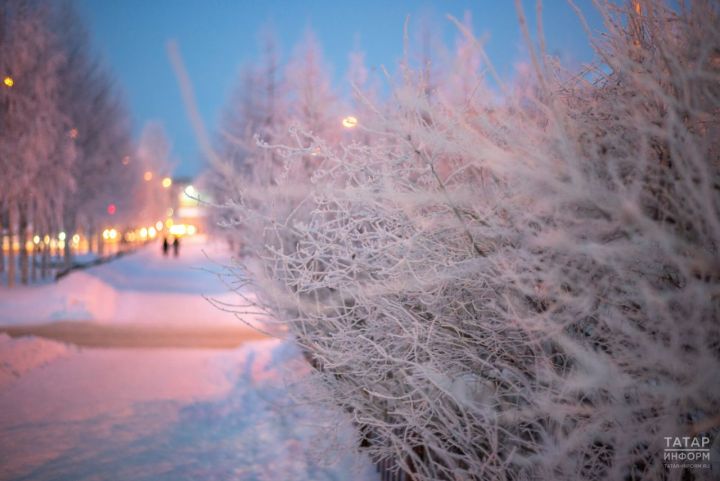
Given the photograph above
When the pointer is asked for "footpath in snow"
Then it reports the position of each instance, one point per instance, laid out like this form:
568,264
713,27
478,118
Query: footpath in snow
74,413
143,287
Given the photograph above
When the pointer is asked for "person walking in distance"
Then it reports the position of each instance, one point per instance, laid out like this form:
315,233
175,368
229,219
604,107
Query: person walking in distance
176,246
165,246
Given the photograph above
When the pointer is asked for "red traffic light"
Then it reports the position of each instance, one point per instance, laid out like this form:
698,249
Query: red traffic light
111,209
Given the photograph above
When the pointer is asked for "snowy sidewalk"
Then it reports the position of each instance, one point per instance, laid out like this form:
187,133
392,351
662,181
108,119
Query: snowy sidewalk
144,287
165,415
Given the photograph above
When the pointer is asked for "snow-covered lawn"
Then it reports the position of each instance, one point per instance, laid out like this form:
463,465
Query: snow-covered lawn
71,413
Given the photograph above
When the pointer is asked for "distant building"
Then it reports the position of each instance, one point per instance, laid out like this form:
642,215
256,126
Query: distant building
190,204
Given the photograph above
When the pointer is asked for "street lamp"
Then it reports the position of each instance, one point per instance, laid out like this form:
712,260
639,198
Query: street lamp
350,122
8,81
167,182
148,176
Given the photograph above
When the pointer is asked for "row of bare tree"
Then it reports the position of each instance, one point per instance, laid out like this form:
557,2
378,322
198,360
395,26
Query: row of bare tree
65,144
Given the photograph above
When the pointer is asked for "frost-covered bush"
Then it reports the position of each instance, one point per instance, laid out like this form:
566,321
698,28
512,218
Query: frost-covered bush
517,289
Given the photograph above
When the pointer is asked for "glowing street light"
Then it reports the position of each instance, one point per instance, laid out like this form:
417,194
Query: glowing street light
74,133
167,182
8,81
61,236
148,176
350,122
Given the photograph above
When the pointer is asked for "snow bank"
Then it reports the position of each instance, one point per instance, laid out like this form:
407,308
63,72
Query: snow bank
18,356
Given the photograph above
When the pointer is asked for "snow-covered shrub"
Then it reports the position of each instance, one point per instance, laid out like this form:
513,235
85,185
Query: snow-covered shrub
517,289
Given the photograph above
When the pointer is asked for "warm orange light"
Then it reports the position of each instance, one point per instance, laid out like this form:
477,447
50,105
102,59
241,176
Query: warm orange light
178,229
8,81
73,133
638,8
167,182
350,122
148,176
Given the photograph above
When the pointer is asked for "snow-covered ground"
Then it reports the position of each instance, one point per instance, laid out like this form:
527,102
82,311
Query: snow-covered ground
99,414
71,413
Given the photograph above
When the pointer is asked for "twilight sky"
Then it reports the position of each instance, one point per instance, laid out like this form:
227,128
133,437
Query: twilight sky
216,37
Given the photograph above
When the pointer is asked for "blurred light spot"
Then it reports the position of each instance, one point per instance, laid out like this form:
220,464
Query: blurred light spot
350,122
178,229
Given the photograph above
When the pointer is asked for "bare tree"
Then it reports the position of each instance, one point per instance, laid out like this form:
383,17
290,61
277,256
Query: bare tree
35,139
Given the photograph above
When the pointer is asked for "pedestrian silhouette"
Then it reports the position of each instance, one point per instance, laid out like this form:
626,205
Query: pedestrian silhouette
176,246
165,246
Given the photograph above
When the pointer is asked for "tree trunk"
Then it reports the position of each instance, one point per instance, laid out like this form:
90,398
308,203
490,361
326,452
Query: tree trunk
24,254
67,250
33,270
11,251
44,261
91,237
2,240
